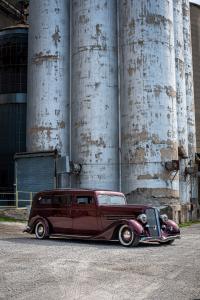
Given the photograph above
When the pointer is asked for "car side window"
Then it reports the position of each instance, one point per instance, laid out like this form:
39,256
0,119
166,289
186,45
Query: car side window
44,200
84,200
58,200
62,200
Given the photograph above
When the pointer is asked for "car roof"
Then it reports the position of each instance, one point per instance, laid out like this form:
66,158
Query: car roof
138,206
78,190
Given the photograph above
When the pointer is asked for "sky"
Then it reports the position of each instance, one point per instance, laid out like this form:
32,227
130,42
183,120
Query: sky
195,1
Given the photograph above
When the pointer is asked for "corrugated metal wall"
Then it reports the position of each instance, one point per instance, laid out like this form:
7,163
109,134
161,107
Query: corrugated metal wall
35,173
12,140
13,60
13,86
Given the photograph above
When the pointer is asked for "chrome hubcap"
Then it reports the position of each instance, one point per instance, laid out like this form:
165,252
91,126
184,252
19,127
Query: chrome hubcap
127,235
40,230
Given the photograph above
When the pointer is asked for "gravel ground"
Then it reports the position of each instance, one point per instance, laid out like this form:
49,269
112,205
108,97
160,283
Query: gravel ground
64,269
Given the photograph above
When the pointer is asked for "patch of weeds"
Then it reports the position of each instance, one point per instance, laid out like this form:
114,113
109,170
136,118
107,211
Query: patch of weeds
10,219
186,224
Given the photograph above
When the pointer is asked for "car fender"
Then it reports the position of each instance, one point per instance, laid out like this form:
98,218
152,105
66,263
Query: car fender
34,220
137,227
110,231
171,223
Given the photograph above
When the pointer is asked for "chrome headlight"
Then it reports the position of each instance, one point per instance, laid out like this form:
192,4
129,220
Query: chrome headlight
142,218
164,218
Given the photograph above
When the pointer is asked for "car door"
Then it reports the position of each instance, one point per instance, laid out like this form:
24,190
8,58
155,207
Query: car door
84,215
60,218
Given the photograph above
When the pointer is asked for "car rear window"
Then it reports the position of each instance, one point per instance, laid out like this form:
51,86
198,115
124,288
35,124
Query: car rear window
57,200
44,200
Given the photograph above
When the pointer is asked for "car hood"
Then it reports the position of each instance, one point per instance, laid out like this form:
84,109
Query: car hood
122,211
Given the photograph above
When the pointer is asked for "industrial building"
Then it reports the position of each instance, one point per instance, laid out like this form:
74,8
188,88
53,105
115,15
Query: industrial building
109,102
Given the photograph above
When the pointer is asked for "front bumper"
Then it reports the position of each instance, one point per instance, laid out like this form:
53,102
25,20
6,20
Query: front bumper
160,239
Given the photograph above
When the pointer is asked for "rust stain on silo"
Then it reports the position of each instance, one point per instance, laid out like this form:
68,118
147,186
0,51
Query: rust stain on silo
40,57
41,129
56,36
61,124
97,142
83,19
157,19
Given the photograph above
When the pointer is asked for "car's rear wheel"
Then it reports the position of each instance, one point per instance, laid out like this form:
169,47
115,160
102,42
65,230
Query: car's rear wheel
127,237
41,230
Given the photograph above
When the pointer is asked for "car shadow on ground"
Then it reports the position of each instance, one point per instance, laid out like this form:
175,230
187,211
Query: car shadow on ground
63,241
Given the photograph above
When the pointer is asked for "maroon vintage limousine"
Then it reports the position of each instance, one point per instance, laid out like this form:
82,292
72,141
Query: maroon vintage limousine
96,214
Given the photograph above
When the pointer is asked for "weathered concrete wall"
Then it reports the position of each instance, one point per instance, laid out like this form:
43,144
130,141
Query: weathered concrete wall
94,141
195,30
48,76
189,79
190,97
148,100
181,101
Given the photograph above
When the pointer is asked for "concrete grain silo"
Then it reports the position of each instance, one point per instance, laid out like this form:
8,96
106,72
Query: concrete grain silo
195,32
94,129
48,76
190,98
181,101
148,101
189,79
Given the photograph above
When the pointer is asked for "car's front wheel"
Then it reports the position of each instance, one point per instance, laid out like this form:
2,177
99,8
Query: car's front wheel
127,237
41,230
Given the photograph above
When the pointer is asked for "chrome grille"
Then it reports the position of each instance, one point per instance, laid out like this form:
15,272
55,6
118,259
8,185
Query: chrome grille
153,222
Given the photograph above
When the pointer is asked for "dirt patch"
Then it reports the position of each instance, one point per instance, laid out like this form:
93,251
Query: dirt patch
17,214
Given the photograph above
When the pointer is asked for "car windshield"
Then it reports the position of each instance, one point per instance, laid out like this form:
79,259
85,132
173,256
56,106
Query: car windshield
111,200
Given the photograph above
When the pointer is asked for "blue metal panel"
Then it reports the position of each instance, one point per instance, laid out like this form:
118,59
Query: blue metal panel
34,174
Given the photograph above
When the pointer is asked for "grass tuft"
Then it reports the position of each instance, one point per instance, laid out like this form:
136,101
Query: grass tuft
10,219
186,224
